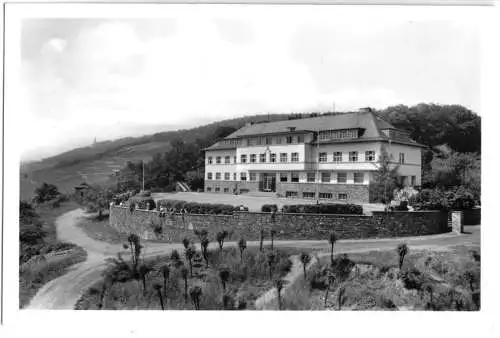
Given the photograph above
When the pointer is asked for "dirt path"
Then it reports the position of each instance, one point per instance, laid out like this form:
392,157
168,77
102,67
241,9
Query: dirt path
63,292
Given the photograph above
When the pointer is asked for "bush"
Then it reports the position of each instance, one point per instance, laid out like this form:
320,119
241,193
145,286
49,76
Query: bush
436,199
199,208
269,208
145,193
333,208
142,202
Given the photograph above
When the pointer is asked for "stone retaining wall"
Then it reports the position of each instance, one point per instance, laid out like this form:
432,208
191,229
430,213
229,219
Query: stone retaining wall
172,228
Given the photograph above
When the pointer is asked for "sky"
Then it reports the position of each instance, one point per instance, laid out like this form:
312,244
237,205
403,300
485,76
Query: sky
109,78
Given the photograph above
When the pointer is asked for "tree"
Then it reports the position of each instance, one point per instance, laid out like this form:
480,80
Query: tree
157,287
190,252
45,192
305,258
270,262
195,293
184,275
261,239
331,280
97,200
279,286
385,180
332,239
224,274
340,297
273,233
165,271
220,237
242,244
402,250
135,250
204,249
144,270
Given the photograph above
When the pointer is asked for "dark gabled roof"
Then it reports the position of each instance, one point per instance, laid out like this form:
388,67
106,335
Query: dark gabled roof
221,146
364,120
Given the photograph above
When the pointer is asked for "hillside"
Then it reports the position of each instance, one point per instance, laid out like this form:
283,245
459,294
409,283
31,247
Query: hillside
95,164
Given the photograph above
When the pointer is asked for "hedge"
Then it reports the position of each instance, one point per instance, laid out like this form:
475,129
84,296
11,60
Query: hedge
331,208
142,202
200,208
269,208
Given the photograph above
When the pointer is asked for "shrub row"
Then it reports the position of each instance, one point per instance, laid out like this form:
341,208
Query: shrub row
269,208
199,208
331,208
436,199
142,202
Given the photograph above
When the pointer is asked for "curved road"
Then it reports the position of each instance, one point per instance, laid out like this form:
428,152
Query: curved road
63,292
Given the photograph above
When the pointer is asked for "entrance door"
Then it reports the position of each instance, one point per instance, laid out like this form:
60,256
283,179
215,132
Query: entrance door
269,182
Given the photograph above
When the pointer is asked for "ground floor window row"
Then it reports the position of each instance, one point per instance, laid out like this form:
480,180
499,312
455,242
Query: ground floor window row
341,196
294,177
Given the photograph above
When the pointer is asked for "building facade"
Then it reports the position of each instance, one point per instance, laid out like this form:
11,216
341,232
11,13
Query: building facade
330,157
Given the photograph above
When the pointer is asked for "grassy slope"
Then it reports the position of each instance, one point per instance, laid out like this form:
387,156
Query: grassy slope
96,164
375,285
42,269
248,281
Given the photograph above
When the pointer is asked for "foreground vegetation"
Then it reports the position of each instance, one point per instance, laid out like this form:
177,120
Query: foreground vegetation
391,280
207,279
42,257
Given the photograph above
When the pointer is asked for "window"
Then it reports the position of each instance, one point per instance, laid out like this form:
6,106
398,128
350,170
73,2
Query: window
369,155
295,157
253,176
289,139
359,177
401,158
353,156
337,156
253,158
325,195
278,140
210,160
234,159
243,158
227,176
247,142
342,196
227,159
217,189
341,177
283,177
283,157
300,139
218,160
325,177
262,158
322,157
295,177
259,140
308,195
291,194
234,176
413,181
268,140
273,158
226,190
338,134
209,189
311,177
209,176
217,176
243,176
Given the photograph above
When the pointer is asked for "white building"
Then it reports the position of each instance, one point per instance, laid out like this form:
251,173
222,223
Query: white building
329,157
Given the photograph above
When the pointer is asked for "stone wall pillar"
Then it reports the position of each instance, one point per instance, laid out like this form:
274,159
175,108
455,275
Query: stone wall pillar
457,222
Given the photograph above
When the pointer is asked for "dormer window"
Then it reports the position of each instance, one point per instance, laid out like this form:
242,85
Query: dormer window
291,128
